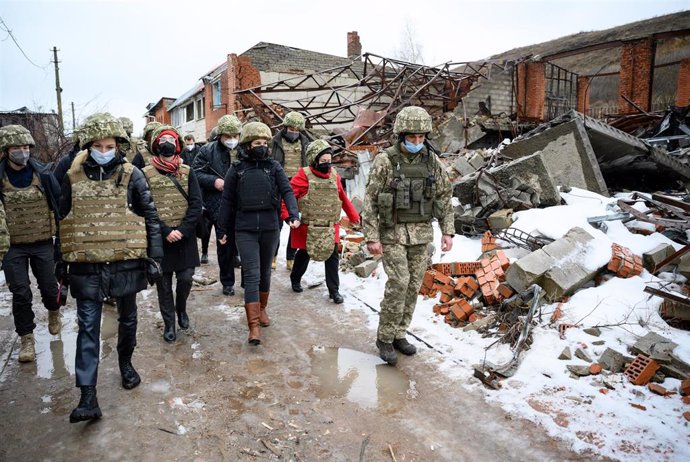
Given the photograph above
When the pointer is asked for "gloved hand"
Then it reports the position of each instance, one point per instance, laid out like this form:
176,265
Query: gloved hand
60,270
153,271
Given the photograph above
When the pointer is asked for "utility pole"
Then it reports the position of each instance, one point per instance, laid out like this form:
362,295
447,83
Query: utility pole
58,89
74,120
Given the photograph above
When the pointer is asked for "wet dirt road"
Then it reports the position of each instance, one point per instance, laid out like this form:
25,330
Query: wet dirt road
314,390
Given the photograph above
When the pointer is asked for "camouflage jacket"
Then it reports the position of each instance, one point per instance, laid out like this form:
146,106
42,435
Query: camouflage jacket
379,180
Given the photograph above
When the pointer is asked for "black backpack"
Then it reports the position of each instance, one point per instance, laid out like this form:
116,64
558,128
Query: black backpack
256,186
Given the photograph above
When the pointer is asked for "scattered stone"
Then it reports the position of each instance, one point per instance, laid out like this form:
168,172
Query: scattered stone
655,256
580,371
480,323
599,342
613,361
686,400
357,258
580,353
658,378
595,369
638,406
500,219
594,331
659,390
463,166
655,346
685,387
566,355
365,269
687,416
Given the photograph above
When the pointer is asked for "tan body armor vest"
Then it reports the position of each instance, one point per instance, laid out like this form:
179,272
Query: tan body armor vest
320,209
292,159
29,219
100,226
170,203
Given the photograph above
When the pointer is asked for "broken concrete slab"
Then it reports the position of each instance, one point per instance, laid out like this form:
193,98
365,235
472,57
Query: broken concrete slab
530,171
480,323
582,354
357,258
614,361
593,331
561,281
655,256
655,347
684,265
500,219
463,166
528,270
566,354
365,269
580,371
568,155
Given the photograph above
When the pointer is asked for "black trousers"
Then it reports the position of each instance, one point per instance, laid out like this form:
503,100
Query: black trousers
38,255
331,266
207,237
256,251
289,250
168,303
226,259
89,337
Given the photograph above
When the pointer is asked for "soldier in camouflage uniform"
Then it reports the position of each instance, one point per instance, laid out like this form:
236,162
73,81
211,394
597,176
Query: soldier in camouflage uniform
407,188
30,196
110,239
289,148
320,197
178,200
4,234
142,157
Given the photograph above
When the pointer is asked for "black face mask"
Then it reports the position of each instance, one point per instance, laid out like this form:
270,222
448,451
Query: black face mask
290,136
323,168
166,149
258,152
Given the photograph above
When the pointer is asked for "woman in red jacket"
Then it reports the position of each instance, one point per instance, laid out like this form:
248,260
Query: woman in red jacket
320,197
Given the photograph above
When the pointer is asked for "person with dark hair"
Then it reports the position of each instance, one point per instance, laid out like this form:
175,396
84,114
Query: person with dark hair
178,200
190,150
253,190
111,245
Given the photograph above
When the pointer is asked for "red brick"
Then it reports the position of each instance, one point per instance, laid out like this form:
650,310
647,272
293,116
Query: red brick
659,390
443,268
531,90
458,312
635,77
445,298
563,327
558,313
488,242
473,317
686,415
686,399
685,387
641,370
442,279
505,290
444,309
583,94
437,309
464,268
683,84
595,369
638,406
503,260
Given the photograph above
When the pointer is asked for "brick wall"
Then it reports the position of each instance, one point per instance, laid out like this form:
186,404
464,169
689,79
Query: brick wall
354,46
531,85
161,114
496,92
583,94
637,70
683,88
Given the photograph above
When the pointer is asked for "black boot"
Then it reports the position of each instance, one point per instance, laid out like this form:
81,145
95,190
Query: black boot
296,286
167,306
87,409
130,377
336,297
181,295
404,347
204,259
387,352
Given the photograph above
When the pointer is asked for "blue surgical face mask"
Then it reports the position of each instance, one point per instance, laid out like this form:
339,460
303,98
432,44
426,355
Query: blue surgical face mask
102,158
413,148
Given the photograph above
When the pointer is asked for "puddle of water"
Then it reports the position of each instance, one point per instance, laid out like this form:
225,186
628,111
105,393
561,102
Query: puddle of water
359,377
55,354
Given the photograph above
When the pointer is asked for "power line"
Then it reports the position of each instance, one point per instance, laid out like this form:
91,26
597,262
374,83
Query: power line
6,28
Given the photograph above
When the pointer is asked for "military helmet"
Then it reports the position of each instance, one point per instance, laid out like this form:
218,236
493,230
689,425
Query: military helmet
99,126
214,134
75,135
151,126
160,129
229,125
127,125
314,149
254,131
412,119
294,120
15,135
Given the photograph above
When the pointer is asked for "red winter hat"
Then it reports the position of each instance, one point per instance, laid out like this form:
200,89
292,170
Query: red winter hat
174,134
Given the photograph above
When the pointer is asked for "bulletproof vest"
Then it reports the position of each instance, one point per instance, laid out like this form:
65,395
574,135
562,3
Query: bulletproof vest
293,157
4,234
145,153
100,226
321,205
256,189
29,219
170,203
414,188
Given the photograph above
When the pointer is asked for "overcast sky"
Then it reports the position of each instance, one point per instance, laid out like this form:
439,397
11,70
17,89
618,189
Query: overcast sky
121,55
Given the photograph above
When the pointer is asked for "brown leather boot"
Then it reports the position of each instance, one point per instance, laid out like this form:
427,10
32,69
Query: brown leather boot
253,311
264,321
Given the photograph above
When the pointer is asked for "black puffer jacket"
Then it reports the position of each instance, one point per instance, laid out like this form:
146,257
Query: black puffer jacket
99,281
277,152
233,219
61,167
212,162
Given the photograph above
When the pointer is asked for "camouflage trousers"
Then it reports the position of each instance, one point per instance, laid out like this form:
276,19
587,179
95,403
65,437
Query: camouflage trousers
405,266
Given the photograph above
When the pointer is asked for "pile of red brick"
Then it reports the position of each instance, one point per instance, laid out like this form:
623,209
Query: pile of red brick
464,285
624,263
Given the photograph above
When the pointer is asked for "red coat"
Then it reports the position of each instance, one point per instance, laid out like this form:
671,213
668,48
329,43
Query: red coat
300,185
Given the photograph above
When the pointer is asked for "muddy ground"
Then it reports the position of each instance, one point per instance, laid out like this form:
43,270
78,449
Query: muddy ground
314,390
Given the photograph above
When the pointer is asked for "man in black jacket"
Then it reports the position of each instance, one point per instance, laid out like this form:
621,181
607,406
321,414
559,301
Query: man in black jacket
30,195
110,237
289,148
190,150
211,166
